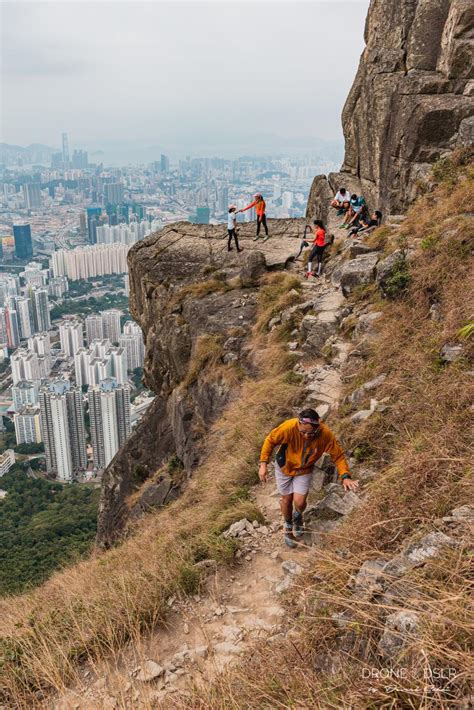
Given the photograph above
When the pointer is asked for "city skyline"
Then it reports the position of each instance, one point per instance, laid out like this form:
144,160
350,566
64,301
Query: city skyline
285,84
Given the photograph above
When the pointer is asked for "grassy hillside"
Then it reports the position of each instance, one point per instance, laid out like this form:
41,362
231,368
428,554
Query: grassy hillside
421,451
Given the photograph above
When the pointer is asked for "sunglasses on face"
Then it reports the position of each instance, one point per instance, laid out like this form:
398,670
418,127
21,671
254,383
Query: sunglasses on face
308,433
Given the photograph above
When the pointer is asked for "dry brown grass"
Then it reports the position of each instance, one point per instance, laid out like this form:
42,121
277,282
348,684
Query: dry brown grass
421,449
92,609
207,354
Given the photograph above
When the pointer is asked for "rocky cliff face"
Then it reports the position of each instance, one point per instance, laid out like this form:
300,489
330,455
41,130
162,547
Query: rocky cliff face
411,101
195,302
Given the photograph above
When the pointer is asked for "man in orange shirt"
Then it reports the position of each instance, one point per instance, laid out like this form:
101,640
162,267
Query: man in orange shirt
301,442
259,204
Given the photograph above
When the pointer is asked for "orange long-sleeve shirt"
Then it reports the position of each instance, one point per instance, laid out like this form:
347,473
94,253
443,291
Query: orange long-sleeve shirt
297,455
259,207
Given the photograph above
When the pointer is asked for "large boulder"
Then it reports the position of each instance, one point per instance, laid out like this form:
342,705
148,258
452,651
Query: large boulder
253,267
356,272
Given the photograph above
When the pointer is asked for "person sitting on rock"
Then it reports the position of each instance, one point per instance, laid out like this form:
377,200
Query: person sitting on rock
301,442
317,252
364,224
232,228
341,201
355,212
259,204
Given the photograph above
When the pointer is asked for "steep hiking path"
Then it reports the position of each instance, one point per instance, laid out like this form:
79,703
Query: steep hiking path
240,603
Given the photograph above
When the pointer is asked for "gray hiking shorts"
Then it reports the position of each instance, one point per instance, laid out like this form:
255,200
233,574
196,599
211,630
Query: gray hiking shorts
292,484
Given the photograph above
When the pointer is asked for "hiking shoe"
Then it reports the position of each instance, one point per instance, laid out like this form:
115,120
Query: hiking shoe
289,539
342,226
266,237
257,237
229,249
298,526
239,249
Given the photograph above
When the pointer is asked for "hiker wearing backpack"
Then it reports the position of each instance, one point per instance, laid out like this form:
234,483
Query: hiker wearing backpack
259,204
301,442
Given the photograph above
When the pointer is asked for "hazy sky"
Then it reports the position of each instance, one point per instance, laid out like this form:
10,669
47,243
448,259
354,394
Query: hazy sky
177,74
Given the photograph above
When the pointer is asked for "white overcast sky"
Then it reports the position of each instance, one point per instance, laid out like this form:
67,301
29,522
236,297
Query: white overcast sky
177,74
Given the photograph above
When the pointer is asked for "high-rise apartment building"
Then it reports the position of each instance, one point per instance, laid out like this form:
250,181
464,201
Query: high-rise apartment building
132,342
9,328
58,286
28,365
165,164
27,425
40,301
111,320
23,241
32,195
93,216
24,310
9,286
35,275
63,429
80,159
24,394
71,335
113,192
40,344
65,151
94,328
109,410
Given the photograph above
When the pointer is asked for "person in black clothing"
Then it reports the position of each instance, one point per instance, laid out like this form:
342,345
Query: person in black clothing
363,224
232,228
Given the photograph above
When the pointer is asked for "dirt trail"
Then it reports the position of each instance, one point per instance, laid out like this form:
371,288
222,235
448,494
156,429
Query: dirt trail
236,604
204,633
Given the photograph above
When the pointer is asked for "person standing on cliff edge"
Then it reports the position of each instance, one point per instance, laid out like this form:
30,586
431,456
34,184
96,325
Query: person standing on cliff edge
301,442
259,204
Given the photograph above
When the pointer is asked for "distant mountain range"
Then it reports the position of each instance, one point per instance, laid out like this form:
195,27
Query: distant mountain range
34,153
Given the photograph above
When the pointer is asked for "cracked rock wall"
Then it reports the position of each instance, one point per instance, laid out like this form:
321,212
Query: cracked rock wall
411,101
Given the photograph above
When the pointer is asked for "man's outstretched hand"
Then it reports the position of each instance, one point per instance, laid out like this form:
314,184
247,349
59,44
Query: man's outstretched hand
263,472
349,485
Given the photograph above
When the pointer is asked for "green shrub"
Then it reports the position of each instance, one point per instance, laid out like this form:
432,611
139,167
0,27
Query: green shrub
397,282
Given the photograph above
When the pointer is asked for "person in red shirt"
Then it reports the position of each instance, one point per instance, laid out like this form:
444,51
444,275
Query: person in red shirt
319,245
259,204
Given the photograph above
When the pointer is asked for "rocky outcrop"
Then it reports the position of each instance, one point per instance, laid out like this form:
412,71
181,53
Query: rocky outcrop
195,302
411,101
